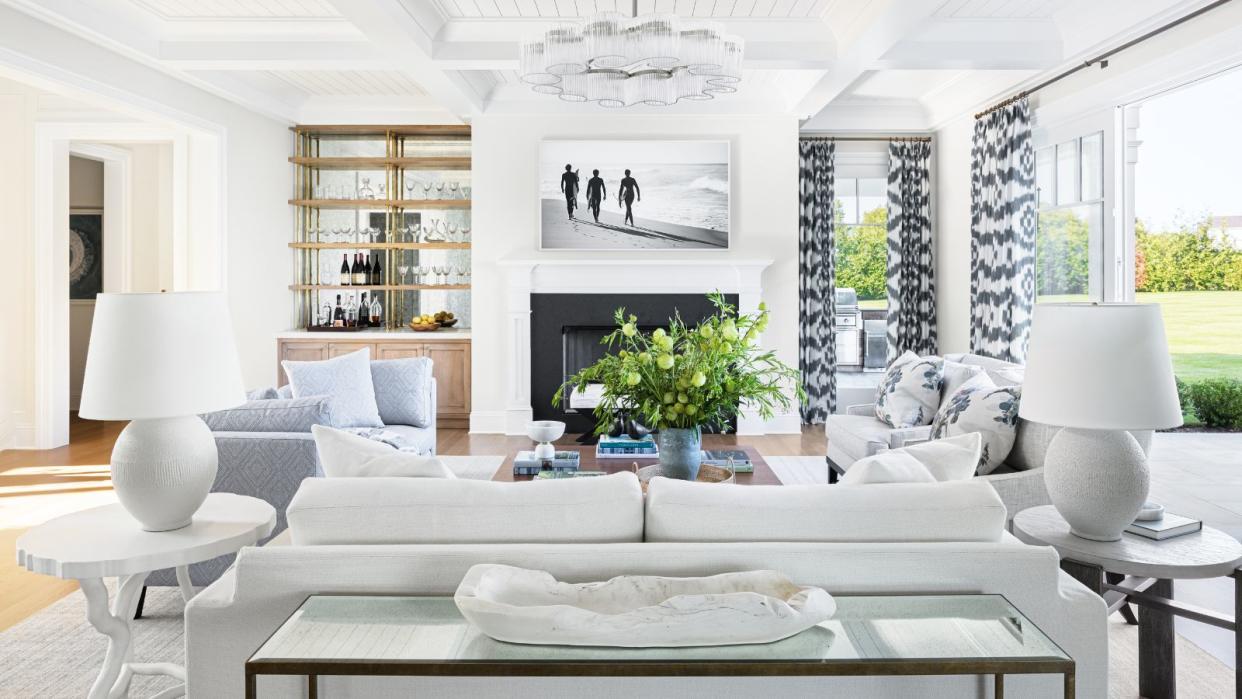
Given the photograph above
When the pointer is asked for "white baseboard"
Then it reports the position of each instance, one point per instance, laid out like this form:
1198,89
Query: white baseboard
25,436
787,423
487,422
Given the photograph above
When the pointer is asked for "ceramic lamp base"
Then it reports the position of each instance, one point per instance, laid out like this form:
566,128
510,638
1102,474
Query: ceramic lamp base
1097,480
162,470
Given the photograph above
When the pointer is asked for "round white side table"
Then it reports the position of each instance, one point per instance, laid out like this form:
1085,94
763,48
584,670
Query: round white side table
107,541
1140,571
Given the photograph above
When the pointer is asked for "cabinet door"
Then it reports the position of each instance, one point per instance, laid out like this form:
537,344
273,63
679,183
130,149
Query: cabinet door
336,349
399,350
299,351
452,372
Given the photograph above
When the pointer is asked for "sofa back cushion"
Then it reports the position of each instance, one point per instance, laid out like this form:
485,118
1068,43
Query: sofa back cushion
899,512
272,415
603,509
403,390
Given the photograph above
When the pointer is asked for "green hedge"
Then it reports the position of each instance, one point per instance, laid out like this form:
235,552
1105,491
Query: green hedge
1185,260
1217,402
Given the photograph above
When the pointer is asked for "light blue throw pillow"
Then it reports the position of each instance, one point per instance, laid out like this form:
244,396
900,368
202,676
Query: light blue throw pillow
272,415
403,390
346,380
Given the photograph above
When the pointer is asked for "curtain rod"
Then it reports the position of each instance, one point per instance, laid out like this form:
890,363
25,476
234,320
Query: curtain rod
1102,59
919,139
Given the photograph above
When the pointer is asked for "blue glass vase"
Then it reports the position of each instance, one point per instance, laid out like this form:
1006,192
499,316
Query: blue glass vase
680,452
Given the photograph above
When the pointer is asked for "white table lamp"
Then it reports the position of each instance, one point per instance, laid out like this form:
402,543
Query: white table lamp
160,360
1098,370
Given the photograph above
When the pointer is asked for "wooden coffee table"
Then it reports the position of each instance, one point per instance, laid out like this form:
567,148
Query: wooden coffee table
763,474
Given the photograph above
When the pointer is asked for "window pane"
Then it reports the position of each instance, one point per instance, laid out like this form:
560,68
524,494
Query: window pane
1045,176
1063,252
1093,166
1067,172
847,200
872,200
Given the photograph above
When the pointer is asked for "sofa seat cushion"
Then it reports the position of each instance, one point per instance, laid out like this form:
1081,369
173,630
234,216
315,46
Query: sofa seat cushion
951,459
851,434
959,511
403,390
604,509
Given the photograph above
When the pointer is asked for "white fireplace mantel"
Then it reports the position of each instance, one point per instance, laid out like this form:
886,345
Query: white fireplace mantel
601,275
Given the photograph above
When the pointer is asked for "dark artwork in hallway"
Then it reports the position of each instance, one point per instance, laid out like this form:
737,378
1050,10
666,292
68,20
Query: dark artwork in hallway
634,195
85,255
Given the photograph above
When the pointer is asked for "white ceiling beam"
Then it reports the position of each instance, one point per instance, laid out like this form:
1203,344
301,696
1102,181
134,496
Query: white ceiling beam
888,25
269,55
976,44
404,34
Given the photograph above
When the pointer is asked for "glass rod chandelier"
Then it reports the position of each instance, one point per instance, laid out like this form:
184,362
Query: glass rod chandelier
620,61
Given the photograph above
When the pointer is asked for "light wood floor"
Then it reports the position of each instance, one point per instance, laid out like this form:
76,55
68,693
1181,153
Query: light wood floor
38,485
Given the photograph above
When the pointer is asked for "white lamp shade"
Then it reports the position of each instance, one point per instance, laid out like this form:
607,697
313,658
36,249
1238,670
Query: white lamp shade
160,355
1099,366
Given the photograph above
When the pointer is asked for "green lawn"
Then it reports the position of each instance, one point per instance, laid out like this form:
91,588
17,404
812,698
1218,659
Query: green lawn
1204,330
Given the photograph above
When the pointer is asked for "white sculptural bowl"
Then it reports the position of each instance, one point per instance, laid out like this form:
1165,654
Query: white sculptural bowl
530,606
545,430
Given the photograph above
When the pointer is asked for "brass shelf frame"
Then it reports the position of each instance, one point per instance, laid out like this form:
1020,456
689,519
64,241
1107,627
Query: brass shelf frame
308,162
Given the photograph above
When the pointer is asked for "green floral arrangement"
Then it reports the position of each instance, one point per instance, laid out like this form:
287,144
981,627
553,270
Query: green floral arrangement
683,377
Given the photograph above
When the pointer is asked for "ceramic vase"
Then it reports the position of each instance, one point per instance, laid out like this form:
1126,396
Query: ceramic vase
680,452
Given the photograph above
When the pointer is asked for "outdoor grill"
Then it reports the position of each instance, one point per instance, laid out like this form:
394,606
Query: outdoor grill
846,328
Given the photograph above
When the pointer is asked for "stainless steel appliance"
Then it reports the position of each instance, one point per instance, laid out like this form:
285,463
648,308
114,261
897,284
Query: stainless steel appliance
875,345
847,328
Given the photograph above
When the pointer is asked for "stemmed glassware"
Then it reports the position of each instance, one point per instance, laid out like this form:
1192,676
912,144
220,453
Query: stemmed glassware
409,187
420,275
439,190
453,189
379,191
426,190
404,270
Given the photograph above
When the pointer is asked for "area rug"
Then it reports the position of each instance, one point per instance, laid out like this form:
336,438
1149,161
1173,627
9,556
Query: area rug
481,468
56,653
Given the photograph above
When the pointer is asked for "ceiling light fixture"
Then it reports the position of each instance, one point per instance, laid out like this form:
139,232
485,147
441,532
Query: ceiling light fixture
621,61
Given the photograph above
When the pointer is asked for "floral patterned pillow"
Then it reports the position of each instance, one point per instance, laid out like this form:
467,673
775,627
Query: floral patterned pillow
982,406
910,392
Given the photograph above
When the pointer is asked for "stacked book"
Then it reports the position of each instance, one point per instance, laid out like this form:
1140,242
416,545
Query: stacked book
721,458
527,464
626,447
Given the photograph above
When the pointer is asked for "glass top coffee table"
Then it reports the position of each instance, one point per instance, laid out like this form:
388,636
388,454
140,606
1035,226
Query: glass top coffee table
870,635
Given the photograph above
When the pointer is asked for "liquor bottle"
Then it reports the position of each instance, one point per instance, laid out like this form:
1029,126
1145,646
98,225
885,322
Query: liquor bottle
338,314
366,272
346,274
377,312
351,313
377,273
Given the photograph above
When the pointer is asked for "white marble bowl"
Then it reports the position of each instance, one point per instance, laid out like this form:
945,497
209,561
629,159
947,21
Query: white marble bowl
530,606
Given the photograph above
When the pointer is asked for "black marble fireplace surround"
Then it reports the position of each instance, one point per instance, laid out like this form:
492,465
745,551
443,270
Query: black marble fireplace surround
565,334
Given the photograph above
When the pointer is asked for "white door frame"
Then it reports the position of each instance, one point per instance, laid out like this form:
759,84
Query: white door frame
54,142
117,227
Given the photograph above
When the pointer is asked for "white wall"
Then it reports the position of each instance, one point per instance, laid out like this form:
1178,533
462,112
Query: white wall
952,213
764,218
86,191
239,243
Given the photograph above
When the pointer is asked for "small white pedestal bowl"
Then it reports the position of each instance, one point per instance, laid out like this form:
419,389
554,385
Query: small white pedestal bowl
517,605
545,432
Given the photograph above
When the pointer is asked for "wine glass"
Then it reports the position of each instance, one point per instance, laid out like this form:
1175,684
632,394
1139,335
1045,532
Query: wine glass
453,189
379,191
465,234
409,187
420,275
465,191
439,190
426,190
452,232
404,270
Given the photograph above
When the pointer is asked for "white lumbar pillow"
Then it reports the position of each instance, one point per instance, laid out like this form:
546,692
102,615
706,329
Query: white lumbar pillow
951,459
345,455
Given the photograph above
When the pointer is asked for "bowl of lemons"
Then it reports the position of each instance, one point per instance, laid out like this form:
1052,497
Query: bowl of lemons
424,323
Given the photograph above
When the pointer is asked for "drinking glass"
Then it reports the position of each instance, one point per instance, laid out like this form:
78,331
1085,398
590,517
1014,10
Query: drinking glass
379,191
418,234
420,276
465,235
404,270
409,187
465,192
439,190
453,189
452,232
426,190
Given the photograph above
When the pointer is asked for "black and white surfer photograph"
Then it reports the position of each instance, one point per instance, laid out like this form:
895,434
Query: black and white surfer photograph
634,195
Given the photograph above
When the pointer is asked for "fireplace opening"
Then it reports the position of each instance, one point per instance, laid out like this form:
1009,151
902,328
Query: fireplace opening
566,335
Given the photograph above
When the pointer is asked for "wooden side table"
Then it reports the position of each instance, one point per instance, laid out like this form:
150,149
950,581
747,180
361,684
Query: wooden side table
108,542
1141,571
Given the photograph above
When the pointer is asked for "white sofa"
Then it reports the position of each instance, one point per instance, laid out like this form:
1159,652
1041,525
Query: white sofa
419,537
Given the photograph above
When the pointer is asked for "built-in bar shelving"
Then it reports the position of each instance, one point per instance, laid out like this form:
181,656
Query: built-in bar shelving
427,204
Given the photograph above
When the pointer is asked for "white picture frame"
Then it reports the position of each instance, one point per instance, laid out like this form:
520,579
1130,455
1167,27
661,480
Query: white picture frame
685,185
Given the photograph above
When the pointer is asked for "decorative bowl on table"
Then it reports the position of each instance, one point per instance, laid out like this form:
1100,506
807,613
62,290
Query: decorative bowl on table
424,327
545,432
447,323
517,605
707,474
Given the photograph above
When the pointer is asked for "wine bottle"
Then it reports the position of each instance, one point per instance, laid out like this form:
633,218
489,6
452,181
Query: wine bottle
346,274
364,311
366,272
377,273
360,276
338,314
377,312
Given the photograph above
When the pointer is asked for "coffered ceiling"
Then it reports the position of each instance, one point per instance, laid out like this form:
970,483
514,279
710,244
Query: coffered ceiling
840,64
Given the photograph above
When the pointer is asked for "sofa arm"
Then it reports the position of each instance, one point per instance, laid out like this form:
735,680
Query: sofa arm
435,408
905,436
265,465
860,409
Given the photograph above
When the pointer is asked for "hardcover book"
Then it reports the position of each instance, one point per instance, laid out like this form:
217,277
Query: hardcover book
1167,527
